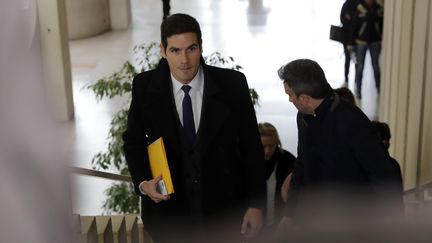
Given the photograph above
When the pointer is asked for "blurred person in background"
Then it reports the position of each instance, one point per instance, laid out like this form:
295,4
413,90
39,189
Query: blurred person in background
367,35
346,17
279,164
166,8
384,135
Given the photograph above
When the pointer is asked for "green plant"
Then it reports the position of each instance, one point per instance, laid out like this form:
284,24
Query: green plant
121,197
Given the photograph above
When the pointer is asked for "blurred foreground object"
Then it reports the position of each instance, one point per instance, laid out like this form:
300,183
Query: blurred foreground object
35,203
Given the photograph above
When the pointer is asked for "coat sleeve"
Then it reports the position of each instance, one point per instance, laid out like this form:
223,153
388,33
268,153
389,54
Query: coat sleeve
251,148
343,13
297,177
135,140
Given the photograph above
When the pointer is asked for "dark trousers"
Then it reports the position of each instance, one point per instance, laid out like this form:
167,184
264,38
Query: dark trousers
375,50
347,62
166,8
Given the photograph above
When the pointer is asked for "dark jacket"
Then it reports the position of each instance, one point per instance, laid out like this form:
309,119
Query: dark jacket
227,155
341,167
347,14
368,24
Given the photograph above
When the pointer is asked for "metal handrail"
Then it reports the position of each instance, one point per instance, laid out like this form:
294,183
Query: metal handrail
112,176
101,174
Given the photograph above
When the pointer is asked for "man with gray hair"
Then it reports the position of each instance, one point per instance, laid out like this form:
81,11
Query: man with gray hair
342,173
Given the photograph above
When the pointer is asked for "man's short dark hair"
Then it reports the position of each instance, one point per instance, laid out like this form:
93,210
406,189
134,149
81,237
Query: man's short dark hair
305,76
178,24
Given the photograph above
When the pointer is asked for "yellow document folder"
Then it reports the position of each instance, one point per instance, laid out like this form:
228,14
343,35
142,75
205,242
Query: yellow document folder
159,166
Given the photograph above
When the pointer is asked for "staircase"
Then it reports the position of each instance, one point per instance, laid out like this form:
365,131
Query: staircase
110,229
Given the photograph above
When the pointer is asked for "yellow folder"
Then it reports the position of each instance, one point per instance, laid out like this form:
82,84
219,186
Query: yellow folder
159,166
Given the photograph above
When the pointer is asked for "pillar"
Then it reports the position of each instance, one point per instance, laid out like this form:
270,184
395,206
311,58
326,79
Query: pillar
406,99
56,57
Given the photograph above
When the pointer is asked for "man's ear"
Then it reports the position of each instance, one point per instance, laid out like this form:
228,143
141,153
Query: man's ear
304,98
162,50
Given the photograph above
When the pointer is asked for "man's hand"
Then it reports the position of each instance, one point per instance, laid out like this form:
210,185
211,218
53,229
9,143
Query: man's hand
285,187
149,187
252,222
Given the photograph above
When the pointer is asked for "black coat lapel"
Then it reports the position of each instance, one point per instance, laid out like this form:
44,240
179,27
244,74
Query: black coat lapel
214,111
164,109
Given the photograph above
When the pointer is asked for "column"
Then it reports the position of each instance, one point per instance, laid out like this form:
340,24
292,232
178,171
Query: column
55,57
406,101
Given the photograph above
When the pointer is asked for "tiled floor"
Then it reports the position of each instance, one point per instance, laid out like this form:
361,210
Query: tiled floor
260,35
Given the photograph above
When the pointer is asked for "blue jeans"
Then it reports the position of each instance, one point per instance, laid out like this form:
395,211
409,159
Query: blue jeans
375,50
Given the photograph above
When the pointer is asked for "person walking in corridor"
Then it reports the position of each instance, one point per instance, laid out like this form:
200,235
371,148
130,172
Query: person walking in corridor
347,19
367,35
207,121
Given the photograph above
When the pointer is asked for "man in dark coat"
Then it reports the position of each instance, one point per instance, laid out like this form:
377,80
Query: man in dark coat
211,139
342,175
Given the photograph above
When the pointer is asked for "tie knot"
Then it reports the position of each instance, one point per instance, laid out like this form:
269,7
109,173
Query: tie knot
186,88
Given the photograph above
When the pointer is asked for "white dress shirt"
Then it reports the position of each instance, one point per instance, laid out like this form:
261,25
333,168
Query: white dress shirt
196,94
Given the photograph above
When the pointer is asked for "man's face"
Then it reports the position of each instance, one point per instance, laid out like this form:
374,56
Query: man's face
270,144
293,98
183,53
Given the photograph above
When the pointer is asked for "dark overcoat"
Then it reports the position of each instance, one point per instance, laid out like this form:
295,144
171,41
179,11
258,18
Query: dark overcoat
342,168
227,154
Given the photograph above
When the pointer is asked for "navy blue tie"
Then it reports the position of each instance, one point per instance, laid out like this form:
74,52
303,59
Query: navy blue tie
188,120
